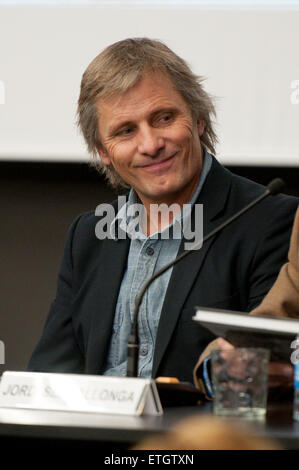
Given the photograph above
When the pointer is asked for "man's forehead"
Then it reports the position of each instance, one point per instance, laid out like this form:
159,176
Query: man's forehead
154,91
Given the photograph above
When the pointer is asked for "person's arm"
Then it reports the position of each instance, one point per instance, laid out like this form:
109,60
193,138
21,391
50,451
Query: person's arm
270,253
283,298
58,350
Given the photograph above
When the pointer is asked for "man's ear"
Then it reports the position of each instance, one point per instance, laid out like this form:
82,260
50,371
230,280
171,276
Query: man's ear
104,157
200,126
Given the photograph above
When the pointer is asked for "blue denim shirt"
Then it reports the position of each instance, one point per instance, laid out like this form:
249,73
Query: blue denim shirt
146,256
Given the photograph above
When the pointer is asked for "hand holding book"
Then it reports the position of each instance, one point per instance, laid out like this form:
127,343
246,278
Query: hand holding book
279,374
243,330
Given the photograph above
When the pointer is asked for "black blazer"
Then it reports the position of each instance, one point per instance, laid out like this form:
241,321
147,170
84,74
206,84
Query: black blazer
233,270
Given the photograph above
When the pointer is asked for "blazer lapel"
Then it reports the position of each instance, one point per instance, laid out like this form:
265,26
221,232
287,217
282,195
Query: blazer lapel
103,295
213,196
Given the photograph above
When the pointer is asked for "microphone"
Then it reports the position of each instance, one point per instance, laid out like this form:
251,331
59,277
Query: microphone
274,187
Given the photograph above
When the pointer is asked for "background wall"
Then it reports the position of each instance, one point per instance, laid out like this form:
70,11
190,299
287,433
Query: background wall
248,52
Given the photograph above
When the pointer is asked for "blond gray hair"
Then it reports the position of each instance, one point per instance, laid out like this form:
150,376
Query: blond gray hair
120,66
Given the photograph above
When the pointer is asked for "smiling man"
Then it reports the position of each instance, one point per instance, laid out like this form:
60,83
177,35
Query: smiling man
148,123
150,138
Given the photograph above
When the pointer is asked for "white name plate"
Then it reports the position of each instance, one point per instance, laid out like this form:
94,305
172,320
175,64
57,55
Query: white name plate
81,393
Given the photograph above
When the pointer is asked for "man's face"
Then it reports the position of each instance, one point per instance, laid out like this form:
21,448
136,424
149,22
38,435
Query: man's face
150,138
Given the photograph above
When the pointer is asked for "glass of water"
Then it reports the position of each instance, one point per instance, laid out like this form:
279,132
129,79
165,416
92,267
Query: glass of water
240,380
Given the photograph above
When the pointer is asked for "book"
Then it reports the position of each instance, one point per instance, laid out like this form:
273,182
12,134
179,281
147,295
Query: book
257,331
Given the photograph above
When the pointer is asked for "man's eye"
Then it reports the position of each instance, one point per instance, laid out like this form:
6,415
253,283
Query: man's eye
166,117
125,131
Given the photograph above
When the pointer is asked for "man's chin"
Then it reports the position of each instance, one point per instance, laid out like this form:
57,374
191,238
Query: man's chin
158,194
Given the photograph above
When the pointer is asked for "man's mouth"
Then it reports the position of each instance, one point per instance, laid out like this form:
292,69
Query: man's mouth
160,164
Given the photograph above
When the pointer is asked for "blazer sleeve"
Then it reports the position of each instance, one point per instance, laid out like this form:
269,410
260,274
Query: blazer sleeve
57,350
270,253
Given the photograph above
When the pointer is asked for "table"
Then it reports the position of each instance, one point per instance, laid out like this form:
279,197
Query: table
89,430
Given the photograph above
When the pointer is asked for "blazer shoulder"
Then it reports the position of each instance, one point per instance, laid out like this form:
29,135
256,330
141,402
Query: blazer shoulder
243,191
228,193
81,238
83,226
251,189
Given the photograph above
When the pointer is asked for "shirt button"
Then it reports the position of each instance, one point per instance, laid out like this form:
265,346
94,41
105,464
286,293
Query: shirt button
143,351
150,251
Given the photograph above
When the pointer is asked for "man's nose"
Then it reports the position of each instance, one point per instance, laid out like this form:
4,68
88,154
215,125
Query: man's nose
150,141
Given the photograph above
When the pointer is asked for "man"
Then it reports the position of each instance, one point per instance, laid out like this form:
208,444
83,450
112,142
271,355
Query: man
148,123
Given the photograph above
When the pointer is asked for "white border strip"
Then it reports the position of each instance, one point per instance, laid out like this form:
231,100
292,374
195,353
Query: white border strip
140,3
